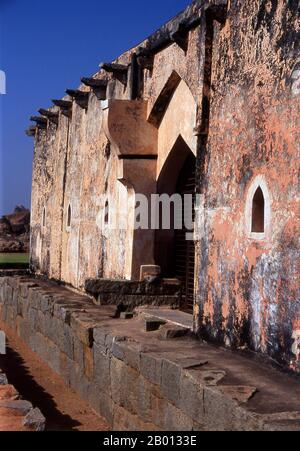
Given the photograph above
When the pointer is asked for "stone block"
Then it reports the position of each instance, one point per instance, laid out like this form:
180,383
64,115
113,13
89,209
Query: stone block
67,341
170,331
83,330
175,420
101,402
47,304
88,362
126,315
101,369
17,407
170,381
130,390
117,375
99,335
151,368
149,272
65,368
224,414
3,379
34,421
153,324
78,352
191,398
8,392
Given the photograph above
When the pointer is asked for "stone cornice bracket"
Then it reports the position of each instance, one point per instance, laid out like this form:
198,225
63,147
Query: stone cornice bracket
80,97
41,122
119,71
98,86
218,11
180,35
65,107
126,127
31,131
145,59
50,115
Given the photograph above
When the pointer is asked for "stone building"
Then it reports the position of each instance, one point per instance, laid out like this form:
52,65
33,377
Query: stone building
209,105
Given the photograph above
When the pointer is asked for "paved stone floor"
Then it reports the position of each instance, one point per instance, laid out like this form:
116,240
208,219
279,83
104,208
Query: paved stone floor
175,317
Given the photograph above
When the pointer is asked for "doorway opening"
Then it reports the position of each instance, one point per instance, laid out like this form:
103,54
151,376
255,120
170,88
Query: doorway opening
175,248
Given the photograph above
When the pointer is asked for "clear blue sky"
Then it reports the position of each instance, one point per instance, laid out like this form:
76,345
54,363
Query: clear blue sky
45,47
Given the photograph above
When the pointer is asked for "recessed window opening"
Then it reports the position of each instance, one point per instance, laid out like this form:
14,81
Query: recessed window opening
69,216
44,218
106,213
258,212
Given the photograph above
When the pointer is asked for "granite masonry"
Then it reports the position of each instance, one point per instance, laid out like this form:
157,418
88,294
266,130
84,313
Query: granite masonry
142,380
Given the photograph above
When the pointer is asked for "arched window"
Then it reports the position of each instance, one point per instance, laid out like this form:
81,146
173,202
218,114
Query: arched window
69,217
44,218
258,212
106,213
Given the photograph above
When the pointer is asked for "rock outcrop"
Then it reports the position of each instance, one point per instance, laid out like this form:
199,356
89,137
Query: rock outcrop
14,231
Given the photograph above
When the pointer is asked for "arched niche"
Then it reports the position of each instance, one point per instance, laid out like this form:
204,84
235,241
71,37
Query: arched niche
295,78
69,218
44,218
258,210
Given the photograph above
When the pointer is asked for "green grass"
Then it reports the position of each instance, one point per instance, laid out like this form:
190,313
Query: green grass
14,261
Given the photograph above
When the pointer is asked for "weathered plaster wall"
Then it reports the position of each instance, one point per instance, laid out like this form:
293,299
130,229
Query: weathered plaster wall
87,155
182,106
248,289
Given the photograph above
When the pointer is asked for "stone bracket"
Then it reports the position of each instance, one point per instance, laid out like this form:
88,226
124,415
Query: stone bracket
126,126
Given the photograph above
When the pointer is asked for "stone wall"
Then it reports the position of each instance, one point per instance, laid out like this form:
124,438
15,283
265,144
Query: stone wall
248,285
103,152
133,379
222,80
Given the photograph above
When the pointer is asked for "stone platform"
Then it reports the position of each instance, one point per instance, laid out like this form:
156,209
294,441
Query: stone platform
142,380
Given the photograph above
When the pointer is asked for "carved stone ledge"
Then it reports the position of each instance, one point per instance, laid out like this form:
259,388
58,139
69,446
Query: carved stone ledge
31,131
80,97
65,107
50,115
98,86
119,71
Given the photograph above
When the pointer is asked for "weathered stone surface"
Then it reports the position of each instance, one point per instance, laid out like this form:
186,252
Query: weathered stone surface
152,324
151,368
220,81
170,381
101,369
163,385
126,315
8,392
34,420
239,393
169,331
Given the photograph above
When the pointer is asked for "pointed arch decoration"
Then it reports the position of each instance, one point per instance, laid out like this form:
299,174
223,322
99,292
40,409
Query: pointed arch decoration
163,100
258,210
